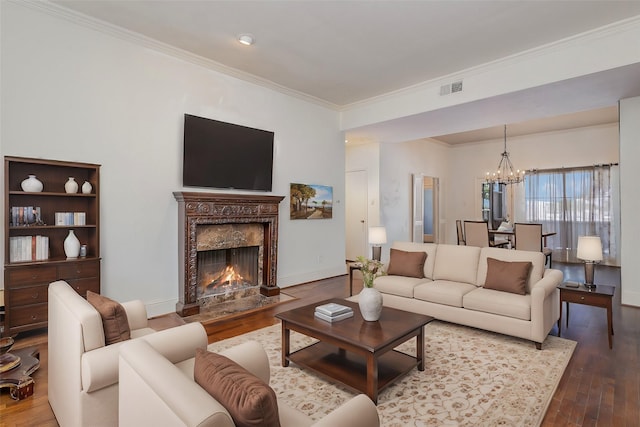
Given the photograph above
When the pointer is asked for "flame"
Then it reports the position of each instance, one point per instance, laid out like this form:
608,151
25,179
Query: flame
227,278
230,275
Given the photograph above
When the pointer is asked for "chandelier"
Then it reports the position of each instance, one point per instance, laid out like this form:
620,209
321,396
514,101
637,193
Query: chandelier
505,173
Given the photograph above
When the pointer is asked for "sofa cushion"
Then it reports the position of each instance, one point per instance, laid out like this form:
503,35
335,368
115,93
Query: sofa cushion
248,399
456,263
428,248
443,292
114,318
536,259
507,276
498,302
397,285
408,264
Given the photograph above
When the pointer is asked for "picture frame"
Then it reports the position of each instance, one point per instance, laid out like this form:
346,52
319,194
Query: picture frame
311,201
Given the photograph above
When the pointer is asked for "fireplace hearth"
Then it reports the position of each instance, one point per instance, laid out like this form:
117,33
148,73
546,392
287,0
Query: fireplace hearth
228,248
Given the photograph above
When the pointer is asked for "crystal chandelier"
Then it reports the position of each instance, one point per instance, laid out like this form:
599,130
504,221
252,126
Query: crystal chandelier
505,173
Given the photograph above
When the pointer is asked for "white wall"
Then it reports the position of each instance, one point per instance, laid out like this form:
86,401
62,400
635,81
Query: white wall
398,162
574,57
567,148
71,92
630,201
461,168
366,157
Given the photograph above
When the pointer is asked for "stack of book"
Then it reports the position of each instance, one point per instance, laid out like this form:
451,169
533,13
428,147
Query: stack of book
333,312
28,248
70,218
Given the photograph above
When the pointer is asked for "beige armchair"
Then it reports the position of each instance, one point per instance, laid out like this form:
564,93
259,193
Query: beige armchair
155,391
83,371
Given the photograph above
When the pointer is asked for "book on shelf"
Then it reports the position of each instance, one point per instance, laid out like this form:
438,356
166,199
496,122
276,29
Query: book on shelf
335,318
70,218
25,215
28,248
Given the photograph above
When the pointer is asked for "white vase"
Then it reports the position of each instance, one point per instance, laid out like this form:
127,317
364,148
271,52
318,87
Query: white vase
86,187
71,245
370,302
31,185
71,186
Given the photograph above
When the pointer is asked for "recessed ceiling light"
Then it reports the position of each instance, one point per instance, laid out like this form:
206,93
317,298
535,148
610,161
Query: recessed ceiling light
246,39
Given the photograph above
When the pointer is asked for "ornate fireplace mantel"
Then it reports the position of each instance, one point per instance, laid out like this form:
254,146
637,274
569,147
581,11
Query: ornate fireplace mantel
196,209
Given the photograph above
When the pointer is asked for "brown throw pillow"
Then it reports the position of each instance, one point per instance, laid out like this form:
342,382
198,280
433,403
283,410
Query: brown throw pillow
409,264
249,400
114,318
507,276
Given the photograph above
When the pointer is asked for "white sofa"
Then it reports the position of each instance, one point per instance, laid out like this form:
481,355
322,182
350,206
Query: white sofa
154,391
83,371
452,290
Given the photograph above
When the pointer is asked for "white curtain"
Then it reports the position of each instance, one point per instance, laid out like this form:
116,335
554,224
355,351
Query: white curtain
576,202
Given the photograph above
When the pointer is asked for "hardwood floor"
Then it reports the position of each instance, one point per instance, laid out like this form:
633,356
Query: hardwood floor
600,387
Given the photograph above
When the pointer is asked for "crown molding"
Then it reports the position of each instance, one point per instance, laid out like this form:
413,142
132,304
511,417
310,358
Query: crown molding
614,28
149,43
115,31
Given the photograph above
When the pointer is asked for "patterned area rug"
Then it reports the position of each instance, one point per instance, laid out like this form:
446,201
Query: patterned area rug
472,378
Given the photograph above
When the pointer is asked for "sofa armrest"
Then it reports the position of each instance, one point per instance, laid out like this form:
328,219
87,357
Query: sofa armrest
252,357
136,314
548,284
100,366
153,391
545,304
357,412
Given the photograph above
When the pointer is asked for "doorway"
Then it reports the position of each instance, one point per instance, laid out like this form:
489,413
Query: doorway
356,221
425,209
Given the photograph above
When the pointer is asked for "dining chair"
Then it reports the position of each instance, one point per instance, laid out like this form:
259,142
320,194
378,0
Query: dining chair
460,232
528,237
476,233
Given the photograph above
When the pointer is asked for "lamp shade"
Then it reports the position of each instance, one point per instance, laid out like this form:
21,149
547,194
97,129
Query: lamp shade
377,235
589,248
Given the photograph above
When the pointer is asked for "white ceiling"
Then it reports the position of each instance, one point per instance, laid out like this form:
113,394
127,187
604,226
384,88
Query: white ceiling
341,52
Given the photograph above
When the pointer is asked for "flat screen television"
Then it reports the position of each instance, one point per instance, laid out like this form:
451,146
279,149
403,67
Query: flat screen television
226,155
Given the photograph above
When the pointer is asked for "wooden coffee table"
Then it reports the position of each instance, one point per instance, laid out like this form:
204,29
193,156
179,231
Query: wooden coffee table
357,353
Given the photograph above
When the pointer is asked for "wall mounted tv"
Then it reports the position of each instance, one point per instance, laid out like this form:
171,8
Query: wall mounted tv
226,155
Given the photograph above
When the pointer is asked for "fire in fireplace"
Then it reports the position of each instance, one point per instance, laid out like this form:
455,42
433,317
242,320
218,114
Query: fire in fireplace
224,270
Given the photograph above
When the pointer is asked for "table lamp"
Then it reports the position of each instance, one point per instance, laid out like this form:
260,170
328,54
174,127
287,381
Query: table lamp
377,237
589,250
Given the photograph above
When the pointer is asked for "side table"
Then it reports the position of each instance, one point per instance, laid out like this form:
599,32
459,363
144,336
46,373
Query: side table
18,379
353,266
600,296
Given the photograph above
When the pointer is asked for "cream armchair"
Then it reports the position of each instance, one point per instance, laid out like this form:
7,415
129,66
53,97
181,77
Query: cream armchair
83,372
155,391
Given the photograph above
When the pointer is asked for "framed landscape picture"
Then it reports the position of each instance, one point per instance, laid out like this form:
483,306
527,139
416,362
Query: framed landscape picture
309,201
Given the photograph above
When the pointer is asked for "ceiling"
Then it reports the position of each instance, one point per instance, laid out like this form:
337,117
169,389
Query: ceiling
341,52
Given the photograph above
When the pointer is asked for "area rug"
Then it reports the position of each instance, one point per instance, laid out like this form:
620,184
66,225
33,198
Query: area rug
472,378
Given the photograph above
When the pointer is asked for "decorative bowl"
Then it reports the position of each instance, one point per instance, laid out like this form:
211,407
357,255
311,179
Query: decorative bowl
5,344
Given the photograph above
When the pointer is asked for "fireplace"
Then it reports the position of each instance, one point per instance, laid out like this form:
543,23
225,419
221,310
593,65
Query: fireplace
223,270
228,248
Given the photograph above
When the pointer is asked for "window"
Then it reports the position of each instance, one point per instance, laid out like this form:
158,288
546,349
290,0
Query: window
575,202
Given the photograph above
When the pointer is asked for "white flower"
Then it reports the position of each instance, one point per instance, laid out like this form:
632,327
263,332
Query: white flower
370,270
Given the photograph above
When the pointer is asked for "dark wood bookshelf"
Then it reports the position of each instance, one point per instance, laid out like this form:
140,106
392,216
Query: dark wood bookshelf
26,281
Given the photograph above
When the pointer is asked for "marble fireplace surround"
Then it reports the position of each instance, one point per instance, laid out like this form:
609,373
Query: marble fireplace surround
197,209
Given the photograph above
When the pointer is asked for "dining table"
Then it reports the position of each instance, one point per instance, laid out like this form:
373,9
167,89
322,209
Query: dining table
510,233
